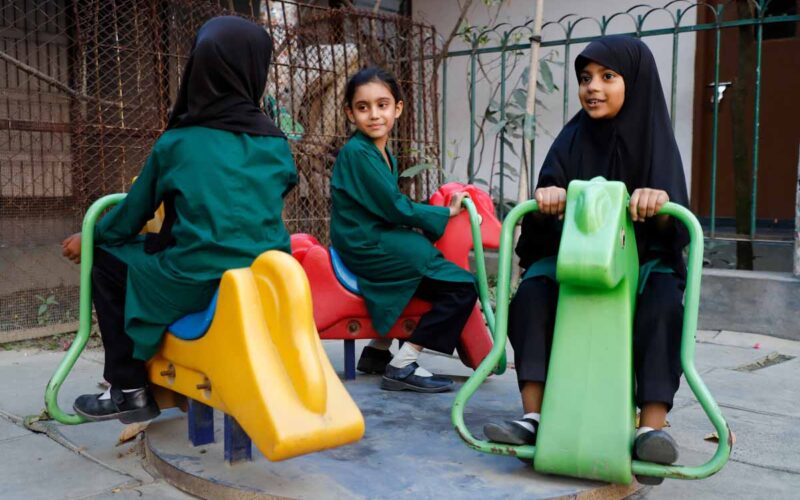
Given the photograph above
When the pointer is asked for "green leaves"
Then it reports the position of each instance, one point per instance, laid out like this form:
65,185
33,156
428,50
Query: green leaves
547,76
417,169
43,312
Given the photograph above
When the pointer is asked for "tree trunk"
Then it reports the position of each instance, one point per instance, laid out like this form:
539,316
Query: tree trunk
743,134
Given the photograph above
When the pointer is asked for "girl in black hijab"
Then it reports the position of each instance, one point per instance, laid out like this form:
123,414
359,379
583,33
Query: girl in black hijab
222,170
623,133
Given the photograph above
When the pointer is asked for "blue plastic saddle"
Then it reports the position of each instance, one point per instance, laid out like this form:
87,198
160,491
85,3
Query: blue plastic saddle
195,325
344,275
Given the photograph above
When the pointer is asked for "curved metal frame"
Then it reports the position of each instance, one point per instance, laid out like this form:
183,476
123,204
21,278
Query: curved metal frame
85,308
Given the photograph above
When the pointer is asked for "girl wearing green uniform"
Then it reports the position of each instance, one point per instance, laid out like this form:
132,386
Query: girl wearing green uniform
374,229
221,169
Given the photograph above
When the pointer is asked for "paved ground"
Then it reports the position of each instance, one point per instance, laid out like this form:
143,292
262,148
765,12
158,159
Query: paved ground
83,462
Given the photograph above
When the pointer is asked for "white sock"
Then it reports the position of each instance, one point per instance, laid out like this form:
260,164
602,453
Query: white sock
382,343
533,416
107,394
407,355
643,430
528,425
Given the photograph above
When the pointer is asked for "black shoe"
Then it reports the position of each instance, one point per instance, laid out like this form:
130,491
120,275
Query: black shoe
130,407
657,447
401,379
373,360
511,432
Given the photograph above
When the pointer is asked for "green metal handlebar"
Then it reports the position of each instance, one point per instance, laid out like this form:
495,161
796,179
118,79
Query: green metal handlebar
483,284
499,348
85,318
701,392
692,304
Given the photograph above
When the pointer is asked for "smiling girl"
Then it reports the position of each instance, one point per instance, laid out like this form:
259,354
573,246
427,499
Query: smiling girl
373,228
623,133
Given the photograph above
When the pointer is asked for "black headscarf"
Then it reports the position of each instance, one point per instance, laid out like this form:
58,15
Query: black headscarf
636,147
225,79
222,85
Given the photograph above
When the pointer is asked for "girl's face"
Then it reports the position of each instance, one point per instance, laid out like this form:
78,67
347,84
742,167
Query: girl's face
373,110
601,91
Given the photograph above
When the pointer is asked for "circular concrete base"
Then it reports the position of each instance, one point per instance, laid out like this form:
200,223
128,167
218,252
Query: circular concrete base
409,450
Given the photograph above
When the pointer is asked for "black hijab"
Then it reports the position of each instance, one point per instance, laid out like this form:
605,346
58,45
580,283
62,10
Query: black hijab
222,85
225,79
636,147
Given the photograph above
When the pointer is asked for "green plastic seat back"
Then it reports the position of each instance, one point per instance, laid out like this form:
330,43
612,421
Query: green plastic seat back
587,418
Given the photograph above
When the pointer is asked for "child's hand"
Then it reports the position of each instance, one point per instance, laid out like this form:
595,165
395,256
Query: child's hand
71,248
455,203
646,202
552,200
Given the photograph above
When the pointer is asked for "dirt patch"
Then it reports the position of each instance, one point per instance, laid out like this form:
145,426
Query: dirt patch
54,343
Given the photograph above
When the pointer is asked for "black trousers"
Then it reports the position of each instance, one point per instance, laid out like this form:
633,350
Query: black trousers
656,334
109,279
452,302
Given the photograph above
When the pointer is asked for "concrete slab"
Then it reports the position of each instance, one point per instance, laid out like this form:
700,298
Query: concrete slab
27,461
760,440
767,393
99,441
409,450
9,430
735,481
160,490
750,301
710,356
30,370
757,342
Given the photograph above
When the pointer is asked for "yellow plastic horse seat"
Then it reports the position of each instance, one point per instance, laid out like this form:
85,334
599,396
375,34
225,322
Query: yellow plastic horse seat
261,362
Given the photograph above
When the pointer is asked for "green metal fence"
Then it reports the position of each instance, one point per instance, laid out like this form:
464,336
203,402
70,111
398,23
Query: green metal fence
509,43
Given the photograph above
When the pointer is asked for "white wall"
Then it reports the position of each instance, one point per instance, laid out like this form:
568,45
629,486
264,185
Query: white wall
443,14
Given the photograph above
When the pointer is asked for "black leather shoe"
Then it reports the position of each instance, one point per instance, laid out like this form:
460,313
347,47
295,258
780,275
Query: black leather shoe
373,360
511,432
404,379
657,447
130,407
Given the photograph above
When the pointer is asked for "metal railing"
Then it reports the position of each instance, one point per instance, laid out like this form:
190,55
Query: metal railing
504,40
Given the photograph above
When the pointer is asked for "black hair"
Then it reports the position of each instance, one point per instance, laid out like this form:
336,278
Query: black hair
369,75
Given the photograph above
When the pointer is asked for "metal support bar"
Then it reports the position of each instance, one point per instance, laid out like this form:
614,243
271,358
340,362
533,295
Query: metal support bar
797,222
200,420
238,446
349,359
85,312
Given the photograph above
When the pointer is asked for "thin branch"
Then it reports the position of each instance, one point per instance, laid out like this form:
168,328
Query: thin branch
456,27
52,81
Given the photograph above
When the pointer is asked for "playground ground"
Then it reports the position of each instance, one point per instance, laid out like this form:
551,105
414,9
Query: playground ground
409,450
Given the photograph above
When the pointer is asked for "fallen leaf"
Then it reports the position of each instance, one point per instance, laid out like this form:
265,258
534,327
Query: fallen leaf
757,345
131,431
714,437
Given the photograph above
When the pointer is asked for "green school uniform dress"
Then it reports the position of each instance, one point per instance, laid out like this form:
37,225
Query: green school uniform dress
228,193
373,229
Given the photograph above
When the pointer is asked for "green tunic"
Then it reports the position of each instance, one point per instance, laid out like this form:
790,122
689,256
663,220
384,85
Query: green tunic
371,228
228,190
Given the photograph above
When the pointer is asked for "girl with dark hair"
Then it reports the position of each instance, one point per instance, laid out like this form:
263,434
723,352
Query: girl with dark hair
623,133
222,169
373,229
